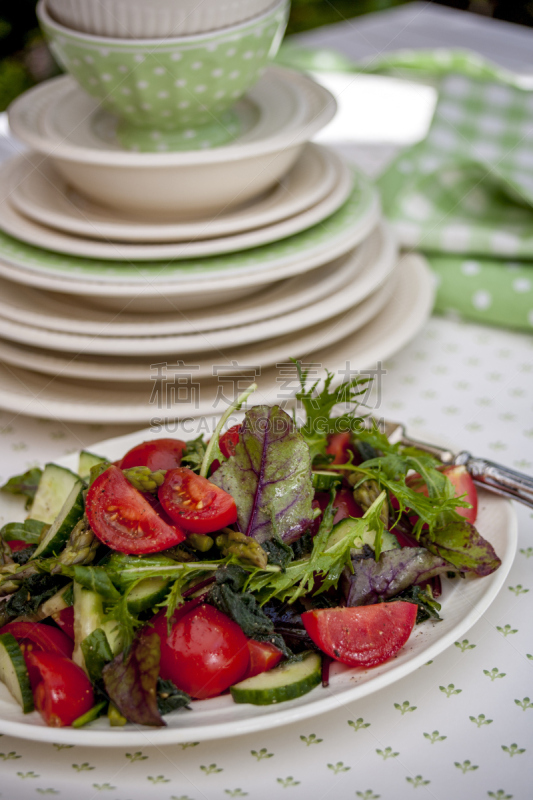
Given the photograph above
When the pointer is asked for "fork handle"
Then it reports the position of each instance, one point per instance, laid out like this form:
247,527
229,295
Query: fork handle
498,479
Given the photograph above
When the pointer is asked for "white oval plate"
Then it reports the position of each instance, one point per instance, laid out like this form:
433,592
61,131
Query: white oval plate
358,284
16,224
43,195
463,604
401,319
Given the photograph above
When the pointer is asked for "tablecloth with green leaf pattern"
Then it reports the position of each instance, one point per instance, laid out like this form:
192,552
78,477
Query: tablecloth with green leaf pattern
464,195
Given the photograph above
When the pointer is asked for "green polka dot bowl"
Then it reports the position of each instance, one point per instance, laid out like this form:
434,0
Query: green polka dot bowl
185,85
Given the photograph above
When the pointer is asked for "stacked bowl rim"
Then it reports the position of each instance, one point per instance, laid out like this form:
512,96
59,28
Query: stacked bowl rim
125,158
137,19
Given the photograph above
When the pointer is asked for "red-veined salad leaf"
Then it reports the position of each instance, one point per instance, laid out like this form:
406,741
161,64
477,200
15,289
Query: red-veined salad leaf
269,477
462,546
131,681
374,581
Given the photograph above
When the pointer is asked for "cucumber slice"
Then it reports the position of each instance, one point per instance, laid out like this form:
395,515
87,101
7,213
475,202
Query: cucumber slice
55,604
86,461
286,682
342,529
324,480
88,616
54,488
57,534
14,673
147,594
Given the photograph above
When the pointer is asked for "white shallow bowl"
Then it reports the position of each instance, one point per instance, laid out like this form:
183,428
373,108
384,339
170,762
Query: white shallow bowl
29,393
280,115
147,19
41,194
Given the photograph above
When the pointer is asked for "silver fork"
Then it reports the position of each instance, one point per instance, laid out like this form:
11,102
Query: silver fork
494,477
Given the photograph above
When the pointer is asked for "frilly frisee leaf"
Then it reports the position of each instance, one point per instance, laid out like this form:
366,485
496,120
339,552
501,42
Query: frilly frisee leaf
329,557
319,406
269,477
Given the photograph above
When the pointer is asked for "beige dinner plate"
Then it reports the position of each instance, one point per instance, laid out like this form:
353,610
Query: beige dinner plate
262,354
359,282
55,311
26,392
41,194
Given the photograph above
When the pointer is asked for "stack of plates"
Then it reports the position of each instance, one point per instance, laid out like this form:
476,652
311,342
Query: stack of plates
123,298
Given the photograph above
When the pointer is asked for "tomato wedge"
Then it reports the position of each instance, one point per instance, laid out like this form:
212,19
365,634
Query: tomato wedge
339,446
195,503
343,502
263,656
17,544
205,652
63,692
463,484
157,454
64,619
124,520
40,637
364,636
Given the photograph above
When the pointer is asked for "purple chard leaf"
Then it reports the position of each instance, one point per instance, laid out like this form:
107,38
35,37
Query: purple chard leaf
374,581
269,476
131,681
462,546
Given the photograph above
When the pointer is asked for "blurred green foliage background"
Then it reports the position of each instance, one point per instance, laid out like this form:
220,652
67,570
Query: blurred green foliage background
25,59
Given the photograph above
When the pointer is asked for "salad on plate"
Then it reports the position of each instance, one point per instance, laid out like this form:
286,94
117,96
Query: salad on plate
245,564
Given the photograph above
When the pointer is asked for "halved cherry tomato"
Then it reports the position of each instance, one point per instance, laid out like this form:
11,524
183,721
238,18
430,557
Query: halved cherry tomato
157,454
363,636
263,656
195,503
124,520
463,484
35,637
205,652
17,544
65,620
63,692
227,443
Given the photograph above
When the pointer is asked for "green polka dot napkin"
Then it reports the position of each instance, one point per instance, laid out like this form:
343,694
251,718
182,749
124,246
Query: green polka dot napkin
464,195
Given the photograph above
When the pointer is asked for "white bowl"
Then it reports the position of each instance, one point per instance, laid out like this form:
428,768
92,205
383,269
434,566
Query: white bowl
59,119
146,19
